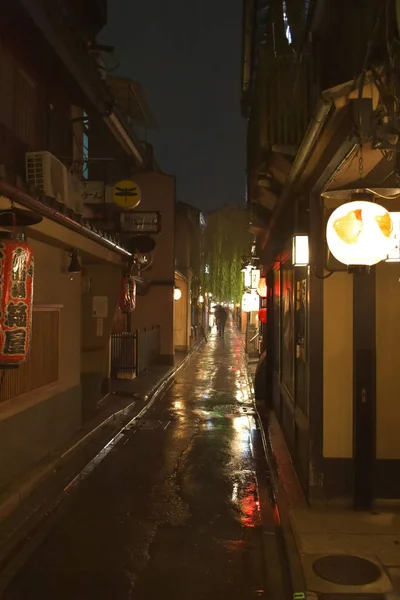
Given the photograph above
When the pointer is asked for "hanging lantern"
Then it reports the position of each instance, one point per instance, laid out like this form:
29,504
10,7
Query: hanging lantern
262,287
16,296
127,301
359,233
262,315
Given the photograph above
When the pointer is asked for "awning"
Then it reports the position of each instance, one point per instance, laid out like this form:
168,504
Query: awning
131,99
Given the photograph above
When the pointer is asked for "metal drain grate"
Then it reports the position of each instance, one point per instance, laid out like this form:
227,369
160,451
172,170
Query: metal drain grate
343,569
149,424
351,596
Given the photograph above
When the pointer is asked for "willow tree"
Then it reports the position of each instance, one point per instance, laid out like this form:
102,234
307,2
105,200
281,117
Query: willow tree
227,240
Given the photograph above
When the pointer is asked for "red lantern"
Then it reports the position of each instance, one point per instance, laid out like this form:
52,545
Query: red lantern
16,296
262,287
262,315
127,301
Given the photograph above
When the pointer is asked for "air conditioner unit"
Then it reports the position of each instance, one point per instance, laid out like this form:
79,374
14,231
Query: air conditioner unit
47,174
75,194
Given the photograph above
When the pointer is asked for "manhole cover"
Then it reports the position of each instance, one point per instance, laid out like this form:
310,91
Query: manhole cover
346,570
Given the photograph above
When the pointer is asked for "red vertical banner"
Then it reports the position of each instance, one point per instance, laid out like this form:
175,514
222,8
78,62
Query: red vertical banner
16,297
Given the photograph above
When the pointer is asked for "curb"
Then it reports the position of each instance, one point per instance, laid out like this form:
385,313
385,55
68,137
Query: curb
13,547
285,531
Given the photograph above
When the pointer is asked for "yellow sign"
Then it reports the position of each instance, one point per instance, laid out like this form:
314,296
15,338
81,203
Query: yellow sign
126,194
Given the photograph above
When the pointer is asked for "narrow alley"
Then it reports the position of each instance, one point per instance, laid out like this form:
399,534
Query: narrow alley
173,511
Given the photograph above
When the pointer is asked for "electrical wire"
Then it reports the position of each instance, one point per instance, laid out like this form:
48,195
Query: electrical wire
375,193
329,274
361,79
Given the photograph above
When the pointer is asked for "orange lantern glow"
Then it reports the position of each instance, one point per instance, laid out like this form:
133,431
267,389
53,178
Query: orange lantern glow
262,315
262,287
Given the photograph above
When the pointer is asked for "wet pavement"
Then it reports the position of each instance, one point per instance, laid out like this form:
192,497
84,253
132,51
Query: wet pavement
173,511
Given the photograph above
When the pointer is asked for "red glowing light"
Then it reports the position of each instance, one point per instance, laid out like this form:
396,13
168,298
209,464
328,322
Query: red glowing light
262,315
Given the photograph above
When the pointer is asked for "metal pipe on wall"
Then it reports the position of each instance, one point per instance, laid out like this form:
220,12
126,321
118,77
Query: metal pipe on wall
13,193
306,147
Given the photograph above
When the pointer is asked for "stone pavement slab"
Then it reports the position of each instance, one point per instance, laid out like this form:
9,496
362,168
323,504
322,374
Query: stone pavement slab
23,500
327,530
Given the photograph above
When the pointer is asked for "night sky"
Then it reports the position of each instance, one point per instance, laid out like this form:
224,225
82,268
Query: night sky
186,54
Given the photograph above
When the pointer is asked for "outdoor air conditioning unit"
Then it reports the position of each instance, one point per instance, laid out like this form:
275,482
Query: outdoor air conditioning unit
47,174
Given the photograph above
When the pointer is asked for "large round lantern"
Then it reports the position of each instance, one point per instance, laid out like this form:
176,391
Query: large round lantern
262,315
359,233
127,301
262,287
16,297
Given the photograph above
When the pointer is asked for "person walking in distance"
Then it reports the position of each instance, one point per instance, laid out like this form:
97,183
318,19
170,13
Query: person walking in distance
222,321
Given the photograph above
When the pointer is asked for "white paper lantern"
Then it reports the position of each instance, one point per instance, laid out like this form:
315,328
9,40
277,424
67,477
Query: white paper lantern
177,293
359,233
250,301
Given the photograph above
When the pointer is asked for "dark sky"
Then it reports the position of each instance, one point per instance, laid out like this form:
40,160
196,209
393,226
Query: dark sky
186,54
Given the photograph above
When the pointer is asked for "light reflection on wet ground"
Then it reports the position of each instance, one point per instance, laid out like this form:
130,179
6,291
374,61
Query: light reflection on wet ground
173,512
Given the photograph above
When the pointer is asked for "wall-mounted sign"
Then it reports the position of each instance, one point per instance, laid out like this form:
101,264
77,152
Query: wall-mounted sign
126,194
93,192
250,302
99,327
100,307
255,278
247,277
141,222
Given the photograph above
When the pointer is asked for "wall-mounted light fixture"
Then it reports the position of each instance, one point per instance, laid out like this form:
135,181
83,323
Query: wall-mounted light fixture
300,251
177,293
74,265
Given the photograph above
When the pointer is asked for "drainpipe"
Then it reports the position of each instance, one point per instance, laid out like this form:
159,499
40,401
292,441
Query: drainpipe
300,162
8,190
131,142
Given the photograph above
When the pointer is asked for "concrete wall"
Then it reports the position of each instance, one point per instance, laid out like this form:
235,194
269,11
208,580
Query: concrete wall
157,306
338,364
105,281
387,360
338,367
35,423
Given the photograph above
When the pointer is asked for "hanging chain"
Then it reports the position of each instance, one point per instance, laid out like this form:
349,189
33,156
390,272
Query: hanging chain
361,162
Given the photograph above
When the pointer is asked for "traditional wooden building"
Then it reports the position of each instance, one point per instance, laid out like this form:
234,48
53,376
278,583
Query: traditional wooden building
320,93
